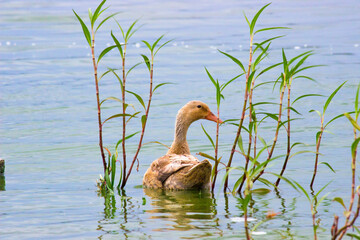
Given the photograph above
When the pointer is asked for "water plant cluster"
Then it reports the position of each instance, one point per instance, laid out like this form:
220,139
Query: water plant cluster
248,147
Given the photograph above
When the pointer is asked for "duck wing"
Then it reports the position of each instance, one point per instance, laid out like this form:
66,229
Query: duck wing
172,163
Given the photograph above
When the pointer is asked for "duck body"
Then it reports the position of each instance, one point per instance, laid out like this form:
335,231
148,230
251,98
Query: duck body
178,169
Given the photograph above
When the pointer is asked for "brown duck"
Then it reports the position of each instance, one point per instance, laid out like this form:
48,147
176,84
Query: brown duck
178,169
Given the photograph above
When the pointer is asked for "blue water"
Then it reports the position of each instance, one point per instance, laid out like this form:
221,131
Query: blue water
48,121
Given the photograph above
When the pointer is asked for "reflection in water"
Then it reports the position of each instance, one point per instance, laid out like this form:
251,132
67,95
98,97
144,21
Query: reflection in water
118,216
2,183
185,209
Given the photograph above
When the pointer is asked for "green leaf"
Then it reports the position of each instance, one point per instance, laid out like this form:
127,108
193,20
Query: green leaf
261,191
127,137
253,21
90,14
318,113
139,98
303,190
132,116
306,95
132,68
237,183
156,42
259,45
308,67
354,146
96,13
340,200
113,170
147,44
103,21
128,33
210,77
240,144
353,235
357,109
294,110
223,86
306,77
146,60
271,28
207,156
116,116
107,179
328,165
260,57
117,76
210,139
143,120
352,121
332,96
118,45
161,46
235,60
285,63
105,51
111,98
267,69
161,84
85,29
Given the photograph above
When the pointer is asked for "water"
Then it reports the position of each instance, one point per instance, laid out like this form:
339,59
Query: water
49,130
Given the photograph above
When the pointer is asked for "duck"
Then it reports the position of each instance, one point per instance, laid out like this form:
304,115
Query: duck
178,169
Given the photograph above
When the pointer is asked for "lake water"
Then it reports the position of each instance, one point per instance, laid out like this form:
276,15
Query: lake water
49,124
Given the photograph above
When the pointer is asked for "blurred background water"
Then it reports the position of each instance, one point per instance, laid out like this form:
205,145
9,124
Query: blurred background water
49,124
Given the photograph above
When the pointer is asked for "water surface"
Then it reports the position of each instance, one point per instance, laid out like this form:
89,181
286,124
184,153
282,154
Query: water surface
49,129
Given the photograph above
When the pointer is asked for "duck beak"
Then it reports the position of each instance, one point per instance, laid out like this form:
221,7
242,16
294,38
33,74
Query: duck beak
213,118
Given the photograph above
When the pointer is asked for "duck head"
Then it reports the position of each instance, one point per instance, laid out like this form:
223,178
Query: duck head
191,112
196,110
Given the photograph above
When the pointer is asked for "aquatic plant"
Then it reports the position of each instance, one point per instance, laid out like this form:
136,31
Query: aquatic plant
320,133
336,231
108,180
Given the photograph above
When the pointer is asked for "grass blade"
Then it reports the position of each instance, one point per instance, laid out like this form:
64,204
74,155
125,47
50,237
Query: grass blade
332,96
105,51
208,136
238,62
85,29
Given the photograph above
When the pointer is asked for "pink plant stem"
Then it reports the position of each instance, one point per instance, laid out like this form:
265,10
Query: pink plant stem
123,118
246,95
288,139
144,124
98,99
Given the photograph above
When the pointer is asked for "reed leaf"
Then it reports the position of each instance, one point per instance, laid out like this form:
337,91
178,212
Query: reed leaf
128,33
161,46
328,165
138,97
103,21
96,13
143,120
104,52
208,136
235,60
118,45
116,116
223,86
130,69
306,95
340,200
147,61
84,28
332,96
354,146
352,121
127,137
161,84
147,44
271,28
253,21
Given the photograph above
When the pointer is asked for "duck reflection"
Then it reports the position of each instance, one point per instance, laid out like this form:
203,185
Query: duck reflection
187,209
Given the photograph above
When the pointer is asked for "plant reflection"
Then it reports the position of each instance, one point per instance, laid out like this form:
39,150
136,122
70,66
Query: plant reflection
186,209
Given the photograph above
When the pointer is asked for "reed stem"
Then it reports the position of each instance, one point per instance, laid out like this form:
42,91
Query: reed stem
246,95
97,99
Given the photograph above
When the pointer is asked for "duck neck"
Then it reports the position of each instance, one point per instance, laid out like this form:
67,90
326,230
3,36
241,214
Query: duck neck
180,145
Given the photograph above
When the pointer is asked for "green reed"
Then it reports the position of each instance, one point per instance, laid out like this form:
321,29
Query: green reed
108,182
336,231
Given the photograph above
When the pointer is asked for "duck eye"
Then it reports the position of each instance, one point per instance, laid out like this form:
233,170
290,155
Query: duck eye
198,106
